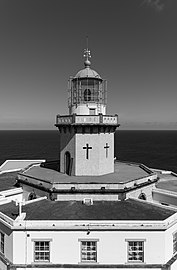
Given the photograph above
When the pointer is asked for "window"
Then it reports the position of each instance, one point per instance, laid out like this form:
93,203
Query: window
175,242
1,242
42,251
32,196
92,111
135,251
142,196
87,95
88,251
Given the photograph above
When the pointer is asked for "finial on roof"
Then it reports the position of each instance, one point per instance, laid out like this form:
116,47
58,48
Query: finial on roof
87,55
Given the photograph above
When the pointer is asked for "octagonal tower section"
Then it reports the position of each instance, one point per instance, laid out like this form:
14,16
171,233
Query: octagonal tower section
87,133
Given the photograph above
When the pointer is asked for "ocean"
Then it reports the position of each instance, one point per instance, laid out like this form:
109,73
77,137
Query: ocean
156,149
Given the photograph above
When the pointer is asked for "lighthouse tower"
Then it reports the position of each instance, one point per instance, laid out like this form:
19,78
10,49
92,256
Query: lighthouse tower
87,133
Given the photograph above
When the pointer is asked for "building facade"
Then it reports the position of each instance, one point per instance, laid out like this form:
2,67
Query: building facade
87,167
98,212
87,133
33,239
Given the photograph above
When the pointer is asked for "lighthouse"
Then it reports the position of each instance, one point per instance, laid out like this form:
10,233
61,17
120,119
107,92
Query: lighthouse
87,170
87,132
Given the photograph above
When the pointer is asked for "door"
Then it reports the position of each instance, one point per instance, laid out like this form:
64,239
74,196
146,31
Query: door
67,162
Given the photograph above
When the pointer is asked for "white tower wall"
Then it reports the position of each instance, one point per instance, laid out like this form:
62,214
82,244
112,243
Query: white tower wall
87,133
100,160
89,109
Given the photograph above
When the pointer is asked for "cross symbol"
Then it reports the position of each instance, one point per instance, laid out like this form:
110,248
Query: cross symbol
87,147
106,147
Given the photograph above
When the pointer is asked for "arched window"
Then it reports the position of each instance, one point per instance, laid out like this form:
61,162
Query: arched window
32,196
87,95
142,196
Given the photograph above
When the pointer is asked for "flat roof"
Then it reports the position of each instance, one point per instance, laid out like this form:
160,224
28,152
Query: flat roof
123,173
167,181
17,164
170,185
129,209
7,180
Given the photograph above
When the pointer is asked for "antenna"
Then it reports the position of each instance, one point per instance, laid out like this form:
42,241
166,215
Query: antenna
87,54
87,41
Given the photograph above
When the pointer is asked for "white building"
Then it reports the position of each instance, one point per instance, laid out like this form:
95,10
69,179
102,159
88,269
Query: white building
97,213
128,234
87,167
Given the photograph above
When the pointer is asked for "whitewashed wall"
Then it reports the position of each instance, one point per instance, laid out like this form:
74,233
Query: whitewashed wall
83,109
2,266
112,246
97,164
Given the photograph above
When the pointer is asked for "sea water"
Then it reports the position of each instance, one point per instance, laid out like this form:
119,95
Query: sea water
156,149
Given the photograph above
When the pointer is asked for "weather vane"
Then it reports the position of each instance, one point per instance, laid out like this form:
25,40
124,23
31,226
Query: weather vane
87,54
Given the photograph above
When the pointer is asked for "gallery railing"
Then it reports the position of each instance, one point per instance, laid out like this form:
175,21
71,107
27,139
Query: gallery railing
87,119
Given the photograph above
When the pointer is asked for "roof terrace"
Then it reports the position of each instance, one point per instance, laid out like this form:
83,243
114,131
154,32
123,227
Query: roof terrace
103,215
123,175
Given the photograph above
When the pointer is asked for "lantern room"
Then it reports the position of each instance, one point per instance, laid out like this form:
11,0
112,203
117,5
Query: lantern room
87,91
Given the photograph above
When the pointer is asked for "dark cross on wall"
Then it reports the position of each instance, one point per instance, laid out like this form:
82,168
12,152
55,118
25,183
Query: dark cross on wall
106,147
87,147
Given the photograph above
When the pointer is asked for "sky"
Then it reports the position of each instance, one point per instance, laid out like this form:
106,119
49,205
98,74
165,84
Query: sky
133,45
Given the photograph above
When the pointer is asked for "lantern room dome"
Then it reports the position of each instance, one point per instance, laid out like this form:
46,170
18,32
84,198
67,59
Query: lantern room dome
87,73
